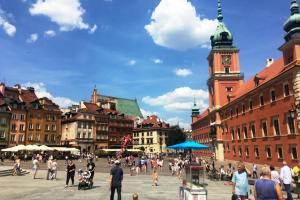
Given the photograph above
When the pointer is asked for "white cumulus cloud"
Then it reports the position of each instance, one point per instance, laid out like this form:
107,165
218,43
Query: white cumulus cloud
178,121
40,91
182,72
157,61
66,13
92,30
176,25
131,62
33,38
181,99
148,113
50,33
8,28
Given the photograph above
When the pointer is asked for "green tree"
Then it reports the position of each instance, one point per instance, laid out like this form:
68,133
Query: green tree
142,149
175,136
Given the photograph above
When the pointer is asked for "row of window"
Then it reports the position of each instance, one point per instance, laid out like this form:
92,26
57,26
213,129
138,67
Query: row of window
85,125
268,151
37,137
120,124
101,136
102,127
38,115
149,134
15,116
84,135
38,126
261,101
119,130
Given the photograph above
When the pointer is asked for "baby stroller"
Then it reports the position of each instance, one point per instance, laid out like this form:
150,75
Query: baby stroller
85,181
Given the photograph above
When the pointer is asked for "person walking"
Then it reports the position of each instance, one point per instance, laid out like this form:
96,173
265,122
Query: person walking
35,167
266,188
240,186
25,157
296,171
286,175
70,173
66,162
274,174
54,169
254,171
115,181
91,167
155,177
2,159
49,168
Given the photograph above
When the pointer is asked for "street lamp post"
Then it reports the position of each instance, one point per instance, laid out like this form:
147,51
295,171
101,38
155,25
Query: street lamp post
213,136
292,111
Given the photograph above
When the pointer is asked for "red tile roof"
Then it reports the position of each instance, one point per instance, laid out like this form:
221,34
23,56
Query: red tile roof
27,96
2,101
155,121
91,107
269,73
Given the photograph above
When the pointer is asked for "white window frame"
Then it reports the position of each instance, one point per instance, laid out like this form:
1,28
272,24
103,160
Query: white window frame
239,136
245,125
257,155
2,133
54,117
53,127
47,127
253,123
262,121
284,91
273,122
240,151
29,136
288,117
48,117
3,121
292,156
260,102
272,90
12,137
21,127
268,147
38,126
234,150
232,133
14,116
247,150
277,147
22,117
37,137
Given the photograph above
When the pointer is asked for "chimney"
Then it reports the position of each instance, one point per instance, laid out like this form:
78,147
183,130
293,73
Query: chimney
269,62
30,89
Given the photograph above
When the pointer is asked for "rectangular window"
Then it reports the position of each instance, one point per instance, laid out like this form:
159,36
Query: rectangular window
46,127
90,135
286,90
228,89
12,138
245,131
261,100
52,138
20,138
53,127
256,148
273,97
240,151
226,70
243,108
228,148
31,115
276,126
30,125
268,151
2,134
291,125
232,134
294,152
90,125
236,111
84,124
29,136
247,150
231,113
37,137
22,117
78,135
233,150
21,127
3,121
38,115
238,130
54,118
38,126
253,130
13,127
84,135
47,117
279,151
46,138
250,105
14,116
226,127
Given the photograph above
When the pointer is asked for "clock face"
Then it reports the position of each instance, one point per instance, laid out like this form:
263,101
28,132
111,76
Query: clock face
226,60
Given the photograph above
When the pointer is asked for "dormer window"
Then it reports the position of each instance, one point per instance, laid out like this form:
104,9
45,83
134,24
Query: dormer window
22,107
3,109
15,106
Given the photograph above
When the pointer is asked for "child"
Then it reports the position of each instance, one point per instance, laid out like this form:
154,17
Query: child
155,177
79,175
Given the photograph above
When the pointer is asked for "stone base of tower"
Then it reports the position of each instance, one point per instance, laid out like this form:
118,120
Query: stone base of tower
219,151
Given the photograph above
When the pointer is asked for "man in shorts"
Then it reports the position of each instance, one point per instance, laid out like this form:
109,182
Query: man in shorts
35,167
296,171
17,165
91,167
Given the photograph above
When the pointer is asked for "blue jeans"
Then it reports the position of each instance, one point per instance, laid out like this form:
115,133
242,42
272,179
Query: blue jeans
288,191
112,194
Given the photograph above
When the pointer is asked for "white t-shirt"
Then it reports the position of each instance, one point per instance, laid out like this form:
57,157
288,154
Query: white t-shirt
54,165
275,176
35,162
222,171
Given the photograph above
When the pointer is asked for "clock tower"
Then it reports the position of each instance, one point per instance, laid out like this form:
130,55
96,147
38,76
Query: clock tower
224,69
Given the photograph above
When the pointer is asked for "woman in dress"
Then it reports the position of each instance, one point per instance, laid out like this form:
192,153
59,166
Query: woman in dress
70,173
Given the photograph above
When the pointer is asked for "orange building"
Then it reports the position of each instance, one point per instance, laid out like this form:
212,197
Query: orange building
251,121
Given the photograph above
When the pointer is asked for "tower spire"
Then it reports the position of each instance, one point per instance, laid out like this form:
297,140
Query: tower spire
220,16
294,8
292,25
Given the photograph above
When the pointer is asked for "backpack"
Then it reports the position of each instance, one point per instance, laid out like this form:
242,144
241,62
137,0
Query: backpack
139,162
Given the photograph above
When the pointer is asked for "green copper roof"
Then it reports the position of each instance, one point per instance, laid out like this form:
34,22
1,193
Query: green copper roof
292,25
195,109
126,106
222,37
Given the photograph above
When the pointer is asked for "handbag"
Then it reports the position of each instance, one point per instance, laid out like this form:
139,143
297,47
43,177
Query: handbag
296,178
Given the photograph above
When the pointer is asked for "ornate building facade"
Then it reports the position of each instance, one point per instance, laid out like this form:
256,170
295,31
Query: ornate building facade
252,119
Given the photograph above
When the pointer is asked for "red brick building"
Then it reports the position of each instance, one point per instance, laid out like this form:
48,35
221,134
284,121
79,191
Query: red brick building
252,119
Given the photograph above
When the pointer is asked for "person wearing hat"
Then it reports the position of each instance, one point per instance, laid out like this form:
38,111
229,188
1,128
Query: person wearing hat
49,168
115,181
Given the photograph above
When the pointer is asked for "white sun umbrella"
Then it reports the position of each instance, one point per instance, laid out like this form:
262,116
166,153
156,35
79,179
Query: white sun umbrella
32,147
8,149
45,148
19,147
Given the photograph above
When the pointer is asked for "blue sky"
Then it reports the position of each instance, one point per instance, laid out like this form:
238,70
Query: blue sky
152,50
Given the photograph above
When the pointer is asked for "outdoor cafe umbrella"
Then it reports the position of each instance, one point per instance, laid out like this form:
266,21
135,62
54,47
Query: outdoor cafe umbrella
189,145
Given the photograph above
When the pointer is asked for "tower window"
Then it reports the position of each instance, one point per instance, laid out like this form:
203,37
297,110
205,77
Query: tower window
226,70
228,89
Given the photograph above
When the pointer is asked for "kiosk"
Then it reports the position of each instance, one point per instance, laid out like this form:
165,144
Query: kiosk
193,185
